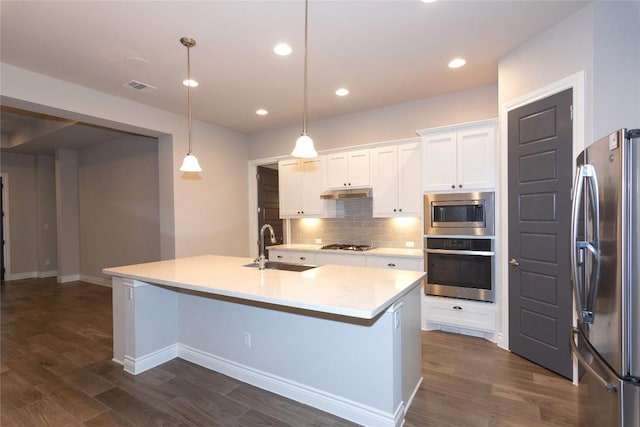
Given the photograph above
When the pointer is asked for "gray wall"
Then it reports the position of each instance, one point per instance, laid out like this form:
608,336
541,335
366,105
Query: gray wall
119,204
21,171
68,212
616,67
382,124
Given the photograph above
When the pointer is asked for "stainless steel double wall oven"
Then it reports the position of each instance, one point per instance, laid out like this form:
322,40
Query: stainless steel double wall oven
458,245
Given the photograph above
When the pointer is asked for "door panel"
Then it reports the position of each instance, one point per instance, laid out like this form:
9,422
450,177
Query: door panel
540,178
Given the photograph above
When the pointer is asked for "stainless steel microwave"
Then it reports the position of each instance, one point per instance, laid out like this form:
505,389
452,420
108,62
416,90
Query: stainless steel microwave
460,214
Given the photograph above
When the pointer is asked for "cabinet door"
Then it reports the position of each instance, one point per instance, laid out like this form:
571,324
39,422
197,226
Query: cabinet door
359,169
276,255
313,184
439,162
396,263
476,163
337,170
384,180
409,189
290,175
301,257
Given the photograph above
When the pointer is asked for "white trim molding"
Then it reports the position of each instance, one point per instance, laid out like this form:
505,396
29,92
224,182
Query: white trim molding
577,83
68,278
102,281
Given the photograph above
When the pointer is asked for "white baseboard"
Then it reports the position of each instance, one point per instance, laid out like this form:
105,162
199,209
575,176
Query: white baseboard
138,365
50,273
20,276
324,401
102,281
68,278
413,395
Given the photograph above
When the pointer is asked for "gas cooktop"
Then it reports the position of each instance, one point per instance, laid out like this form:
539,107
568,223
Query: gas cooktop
347,247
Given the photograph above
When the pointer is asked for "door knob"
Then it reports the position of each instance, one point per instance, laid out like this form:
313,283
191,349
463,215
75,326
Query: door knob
514,261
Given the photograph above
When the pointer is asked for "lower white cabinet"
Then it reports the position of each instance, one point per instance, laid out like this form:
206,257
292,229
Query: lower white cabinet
296,257
479,316
398,263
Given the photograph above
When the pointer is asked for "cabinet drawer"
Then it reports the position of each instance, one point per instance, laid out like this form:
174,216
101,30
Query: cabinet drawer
465,314
398,263
297,257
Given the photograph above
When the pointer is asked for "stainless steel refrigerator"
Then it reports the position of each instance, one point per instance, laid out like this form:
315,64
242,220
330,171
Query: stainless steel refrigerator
606,280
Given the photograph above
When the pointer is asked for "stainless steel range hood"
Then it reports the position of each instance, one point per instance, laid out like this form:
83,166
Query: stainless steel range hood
354,193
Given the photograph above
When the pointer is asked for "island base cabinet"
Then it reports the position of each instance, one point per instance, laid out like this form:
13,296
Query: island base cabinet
366,371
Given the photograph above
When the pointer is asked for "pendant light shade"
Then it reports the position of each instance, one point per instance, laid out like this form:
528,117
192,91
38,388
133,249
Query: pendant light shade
304,148
304,145
190,162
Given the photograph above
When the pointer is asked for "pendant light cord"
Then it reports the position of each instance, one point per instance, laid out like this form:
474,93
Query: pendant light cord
189,93
304,109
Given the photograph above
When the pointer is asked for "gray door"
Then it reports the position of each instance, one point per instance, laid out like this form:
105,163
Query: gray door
540,179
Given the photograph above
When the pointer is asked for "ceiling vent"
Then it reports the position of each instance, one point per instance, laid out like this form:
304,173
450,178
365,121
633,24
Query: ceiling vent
142,87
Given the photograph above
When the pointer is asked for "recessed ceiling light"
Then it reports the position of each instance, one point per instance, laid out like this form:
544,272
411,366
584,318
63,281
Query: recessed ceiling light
191,83
262,112
282,49
457,63
342,92
429,1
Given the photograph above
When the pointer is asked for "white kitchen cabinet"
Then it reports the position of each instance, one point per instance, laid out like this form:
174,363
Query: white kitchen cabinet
348,170
459,158
296,257
470,315
396,263
300,184
395,172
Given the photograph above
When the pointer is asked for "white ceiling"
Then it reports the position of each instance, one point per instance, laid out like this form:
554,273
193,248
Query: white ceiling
384,52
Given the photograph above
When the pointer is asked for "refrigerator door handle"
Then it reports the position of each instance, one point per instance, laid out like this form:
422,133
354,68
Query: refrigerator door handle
594,279
577,251
574,349
585,294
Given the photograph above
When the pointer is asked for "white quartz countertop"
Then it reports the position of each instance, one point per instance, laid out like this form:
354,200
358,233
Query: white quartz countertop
398,252
343,290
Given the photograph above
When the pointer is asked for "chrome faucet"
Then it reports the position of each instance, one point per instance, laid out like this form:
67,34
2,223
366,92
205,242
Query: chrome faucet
262,262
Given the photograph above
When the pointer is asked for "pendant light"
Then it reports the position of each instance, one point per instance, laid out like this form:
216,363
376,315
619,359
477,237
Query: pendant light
304,145
190,162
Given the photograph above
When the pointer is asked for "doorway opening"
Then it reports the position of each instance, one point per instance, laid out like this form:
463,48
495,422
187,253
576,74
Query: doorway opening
268,209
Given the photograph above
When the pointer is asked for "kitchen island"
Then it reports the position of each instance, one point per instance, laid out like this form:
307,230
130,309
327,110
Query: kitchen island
343,339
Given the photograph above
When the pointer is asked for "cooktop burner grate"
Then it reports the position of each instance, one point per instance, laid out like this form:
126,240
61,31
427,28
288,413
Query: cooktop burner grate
347,247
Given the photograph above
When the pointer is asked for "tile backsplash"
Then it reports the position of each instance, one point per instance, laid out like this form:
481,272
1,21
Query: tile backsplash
354,223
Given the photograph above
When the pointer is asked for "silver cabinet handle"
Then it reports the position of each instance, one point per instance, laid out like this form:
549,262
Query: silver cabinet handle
514,261
457,307
279,256
391,265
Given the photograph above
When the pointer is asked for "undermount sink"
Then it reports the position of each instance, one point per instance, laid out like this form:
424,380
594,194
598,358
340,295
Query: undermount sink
273,265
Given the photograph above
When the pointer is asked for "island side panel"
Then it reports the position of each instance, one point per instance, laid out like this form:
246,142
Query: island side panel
151,325
334,363
411,346
119,303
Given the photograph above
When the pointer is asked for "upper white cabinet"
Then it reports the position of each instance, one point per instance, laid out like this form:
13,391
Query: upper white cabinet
300,183
348,169
395,179
459,157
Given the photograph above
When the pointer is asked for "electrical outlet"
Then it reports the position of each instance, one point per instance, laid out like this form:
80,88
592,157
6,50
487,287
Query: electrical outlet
47,261
318,241
408,244
129,293
247,339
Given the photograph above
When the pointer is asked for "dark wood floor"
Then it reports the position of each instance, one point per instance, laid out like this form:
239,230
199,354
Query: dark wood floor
56,371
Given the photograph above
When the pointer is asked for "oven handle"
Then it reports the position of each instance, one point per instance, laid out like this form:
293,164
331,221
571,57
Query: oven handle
456,252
